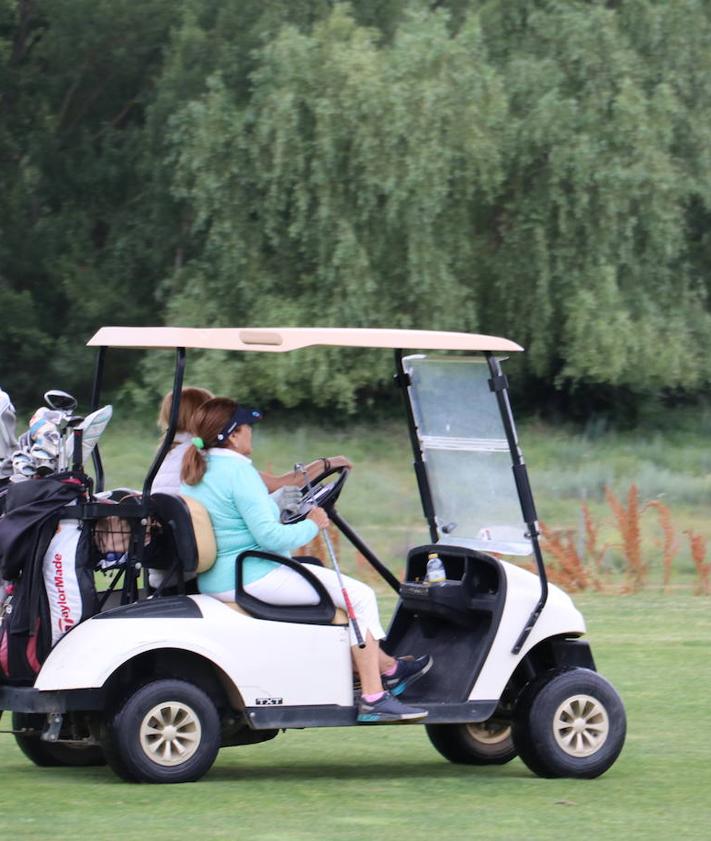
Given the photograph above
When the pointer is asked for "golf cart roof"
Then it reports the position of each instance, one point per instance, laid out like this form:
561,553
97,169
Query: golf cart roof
281,339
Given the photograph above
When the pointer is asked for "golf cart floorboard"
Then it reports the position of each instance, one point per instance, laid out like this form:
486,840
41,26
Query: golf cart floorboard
27,699
277,716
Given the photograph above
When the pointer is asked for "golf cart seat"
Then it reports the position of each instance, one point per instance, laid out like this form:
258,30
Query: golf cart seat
187,539
186,543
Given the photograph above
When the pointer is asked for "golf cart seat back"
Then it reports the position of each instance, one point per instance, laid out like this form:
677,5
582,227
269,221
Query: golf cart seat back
187,537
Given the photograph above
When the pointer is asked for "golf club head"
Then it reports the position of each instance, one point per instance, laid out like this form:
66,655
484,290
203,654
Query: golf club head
92,427
23,466
45,429
60,400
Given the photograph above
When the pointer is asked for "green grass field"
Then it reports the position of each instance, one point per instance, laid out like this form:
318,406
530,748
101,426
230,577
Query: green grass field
388,782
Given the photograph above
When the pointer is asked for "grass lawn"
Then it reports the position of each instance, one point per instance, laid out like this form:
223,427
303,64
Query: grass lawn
388,782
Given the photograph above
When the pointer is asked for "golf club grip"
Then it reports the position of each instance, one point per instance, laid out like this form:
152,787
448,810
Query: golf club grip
352,617
77,449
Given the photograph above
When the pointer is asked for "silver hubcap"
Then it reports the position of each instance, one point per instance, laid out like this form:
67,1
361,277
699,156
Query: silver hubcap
490,732
581,725
170,733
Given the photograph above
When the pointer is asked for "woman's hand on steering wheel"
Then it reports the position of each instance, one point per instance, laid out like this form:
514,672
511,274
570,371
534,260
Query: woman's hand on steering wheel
319,493
336,461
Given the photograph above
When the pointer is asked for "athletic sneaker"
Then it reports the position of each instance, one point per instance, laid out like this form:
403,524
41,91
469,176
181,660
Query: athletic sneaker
409,669
387,708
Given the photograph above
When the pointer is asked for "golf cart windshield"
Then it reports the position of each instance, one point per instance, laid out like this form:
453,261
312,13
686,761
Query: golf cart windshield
466,454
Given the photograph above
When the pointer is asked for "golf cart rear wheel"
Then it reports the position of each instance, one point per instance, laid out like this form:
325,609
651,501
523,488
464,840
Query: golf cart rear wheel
52,754
167,731
485,743
572,724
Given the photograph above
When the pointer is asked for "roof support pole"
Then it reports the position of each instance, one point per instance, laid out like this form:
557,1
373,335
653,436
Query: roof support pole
95,395
172,422
403,380
499,385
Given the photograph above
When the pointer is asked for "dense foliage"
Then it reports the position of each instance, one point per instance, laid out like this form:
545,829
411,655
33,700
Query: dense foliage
538,169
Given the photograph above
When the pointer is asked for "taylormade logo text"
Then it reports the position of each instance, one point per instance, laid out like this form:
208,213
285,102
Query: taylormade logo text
65,620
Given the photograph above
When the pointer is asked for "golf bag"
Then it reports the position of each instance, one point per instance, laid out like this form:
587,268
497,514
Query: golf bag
46,561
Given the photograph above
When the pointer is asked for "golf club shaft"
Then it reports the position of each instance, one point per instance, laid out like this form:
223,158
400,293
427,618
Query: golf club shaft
300,468
346,597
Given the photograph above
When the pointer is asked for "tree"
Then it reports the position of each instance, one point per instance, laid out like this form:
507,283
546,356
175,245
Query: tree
592,265
527,171
535,168
346,192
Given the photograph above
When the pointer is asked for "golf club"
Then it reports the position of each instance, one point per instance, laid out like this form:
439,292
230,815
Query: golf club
332,554
65,404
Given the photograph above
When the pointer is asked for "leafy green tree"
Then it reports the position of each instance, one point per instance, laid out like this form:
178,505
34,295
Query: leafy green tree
344,193
592,263
74,251
535,168
521,168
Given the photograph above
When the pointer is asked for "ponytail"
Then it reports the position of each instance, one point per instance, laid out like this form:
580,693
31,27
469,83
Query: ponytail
207,422
193,467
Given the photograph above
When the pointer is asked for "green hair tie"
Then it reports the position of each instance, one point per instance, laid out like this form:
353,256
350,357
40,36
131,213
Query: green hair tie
199,443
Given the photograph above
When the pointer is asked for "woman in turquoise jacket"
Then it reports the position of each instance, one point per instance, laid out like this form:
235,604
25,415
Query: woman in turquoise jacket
218,472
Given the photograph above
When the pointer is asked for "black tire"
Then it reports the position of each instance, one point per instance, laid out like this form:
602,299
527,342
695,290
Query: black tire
486,743
156,726
52,754
569,724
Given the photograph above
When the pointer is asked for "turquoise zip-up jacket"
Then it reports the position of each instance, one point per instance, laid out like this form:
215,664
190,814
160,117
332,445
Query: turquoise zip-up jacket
243,517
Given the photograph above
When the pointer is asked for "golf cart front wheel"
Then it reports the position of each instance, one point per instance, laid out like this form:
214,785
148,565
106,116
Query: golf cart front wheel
51,754
167,731
572,724
484,743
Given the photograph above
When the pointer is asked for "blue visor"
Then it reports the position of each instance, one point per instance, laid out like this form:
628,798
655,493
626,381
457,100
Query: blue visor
240,417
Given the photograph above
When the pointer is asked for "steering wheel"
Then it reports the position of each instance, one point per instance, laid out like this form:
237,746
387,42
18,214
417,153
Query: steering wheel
319,493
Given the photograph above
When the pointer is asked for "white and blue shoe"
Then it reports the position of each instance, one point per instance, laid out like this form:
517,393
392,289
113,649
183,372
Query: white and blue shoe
387,708
409,669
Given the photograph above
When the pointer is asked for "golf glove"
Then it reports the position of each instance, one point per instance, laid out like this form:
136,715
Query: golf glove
287,498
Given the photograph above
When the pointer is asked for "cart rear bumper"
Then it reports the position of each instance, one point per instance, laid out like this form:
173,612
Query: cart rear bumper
27,699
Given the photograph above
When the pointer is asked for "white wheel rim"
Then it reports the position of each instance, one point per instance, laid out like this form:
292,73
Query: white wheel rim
581,725
490,732
170,733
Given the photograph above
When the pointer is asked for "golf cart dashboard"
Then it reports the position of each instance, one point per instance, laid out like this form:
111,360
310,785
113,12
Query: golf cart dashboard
474,585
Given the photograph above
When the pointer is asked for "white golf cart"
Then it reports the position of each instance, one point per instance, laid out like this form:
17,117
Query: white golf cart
155,685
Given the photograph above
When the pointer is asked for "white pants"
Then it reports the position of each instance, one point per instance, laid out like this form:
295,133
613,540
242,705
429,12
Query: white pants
284,586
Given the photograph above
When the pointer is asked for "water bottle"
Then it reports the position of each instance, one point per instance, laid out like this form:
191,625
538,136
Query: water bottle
435,569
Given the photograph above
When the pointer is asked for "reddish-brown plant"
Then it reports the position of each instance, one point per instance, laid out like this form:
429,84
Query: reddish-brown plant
628,524
592,551
565,564
670,544
703,568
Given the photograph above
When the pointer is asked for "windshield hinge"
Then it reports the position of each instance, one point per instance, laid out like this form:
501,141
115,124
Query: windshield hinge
499,383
